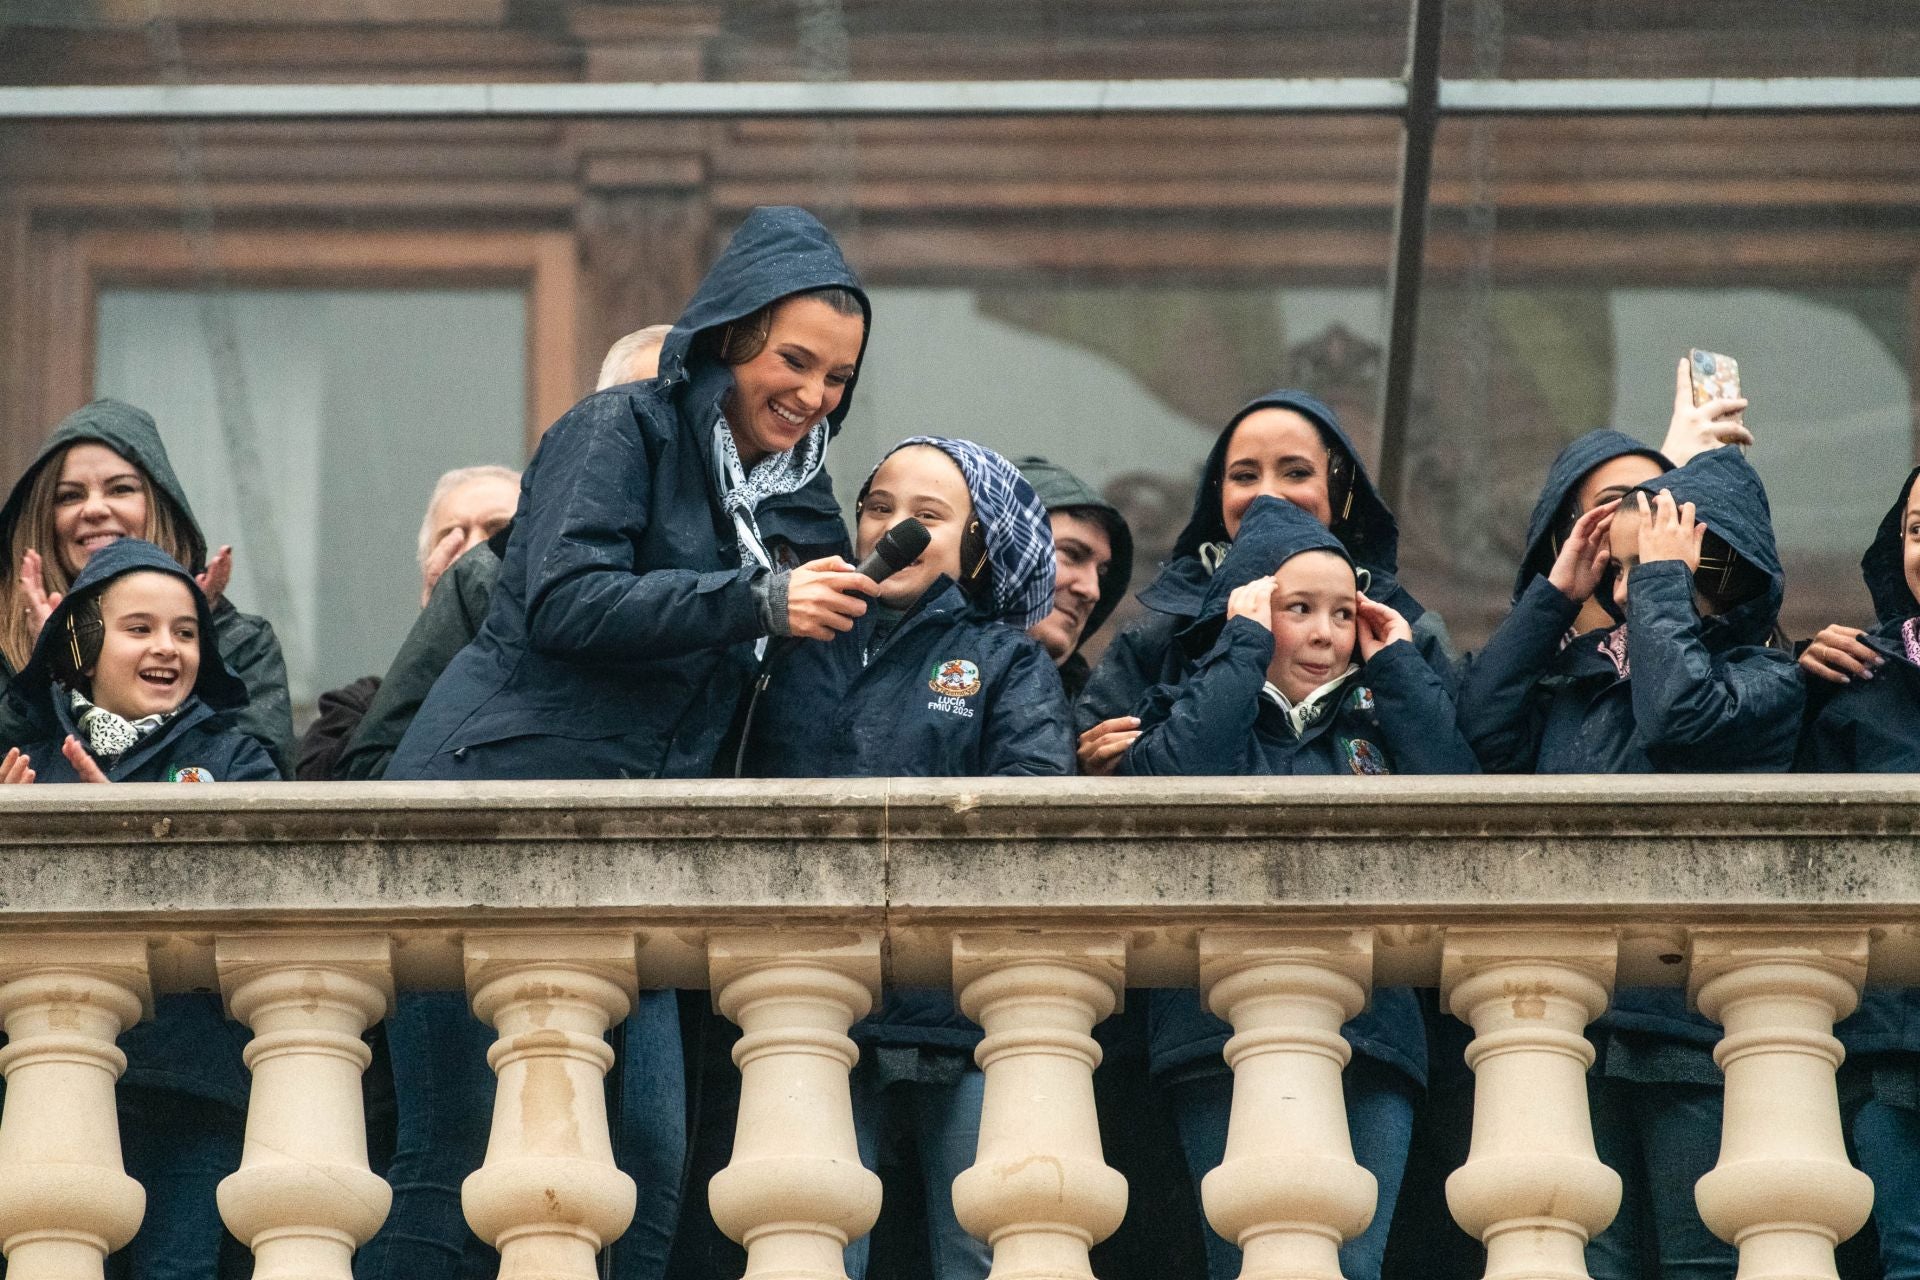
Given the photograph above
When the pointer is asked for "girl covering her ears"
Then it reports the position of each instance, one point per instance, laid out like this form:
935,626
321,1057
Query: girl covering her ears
1298,674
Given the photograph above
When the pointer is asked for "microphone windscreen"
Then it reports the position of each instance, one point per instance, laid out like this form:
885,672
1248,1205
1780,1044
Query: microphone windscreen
898,547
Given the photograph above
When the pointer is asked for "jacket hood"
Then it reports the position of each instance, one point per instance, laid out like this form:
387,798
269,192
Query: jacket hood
1730,500
215,685
1273,532
1884,565
778,251
1059,489
1018,535
1589,451
1360,517
132,434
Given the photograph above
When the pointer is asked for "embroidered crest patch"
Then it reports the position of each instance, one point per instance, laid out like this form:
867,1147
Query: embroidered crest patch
190,773
1364,758
955,678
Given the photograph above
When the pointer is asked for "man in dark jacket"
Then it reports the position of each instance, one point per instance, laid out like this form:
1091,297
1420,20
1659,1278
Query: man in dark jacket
1092,561
1685,684
1335,483
247,642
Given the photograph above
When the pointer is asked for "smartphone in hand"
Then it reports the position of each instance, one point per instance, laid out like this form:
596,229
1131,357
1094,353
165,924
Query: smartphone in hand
1715,377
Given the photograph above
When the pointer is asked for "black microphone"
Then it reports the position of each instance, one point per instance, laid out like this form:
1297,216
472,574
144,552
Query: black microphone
898,547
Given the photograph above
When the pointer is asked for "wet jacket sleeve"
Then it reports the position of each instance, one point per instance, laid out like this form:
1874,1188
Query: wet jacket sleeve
1827,743
340,713
1416,714
1131,666
1496,704
250,763
1740,710
1028,734
253,651
586,598
451,619
1202,727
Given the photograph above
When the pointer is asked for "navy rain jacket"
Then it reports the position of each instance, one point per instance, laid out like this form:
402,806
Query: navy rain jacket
1873,726
1145,654
1394,716
620,634
1705,695
190,1046
947,694
251,649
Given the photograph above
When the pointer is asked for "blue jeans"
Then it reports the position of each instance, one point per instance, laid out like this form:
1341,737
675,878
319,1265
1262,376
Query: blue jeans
1660,1138
945,1123
443,1105
1887,1139
179,1147
649,1119
1379,1116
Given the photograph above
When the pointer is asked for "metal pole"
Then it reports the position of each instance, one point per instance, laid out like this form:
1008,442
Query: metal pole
1409,239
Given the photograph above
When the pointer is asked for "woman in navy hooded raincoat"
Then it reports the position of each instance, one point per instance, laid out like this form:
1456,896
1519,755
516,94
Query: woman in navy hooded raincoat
636,596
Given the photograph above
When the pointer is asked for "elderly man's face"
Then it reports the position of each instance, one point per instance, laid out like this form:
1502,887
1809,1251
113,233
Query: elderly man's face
476,511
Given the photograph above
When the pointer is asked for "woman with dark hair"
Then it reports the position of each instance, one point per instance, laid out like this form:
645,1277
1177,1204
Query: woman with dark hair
666,530
1285,445
101,476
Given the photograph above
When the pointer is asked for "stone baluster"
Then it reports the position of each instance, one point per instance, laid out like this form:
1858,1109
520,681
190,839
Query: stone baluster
304,1198
1289,1190
1782,1191
1533,1189
549,1196
1040,1191
65,1198
794,1192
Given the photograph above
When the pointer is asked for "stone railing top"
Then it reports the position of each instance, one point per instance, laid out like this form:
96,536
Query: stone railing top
1156,858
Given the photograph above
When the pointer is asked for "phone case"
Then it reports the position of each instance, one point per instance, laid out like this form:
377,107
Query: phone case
1715,377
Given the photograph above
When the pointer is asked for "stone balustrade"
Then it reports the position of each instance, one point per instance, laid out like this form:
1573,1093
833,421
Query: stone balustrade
1525,901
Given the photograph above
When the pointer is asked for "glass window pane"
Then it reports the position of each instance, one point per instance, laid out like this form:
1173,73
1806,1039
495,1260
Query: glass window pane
1659,39
351,403
224,41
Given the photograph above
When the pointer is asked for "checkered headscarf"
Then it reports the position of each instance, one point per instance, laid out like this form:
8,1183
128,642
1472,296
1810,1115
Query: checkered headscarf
1018,534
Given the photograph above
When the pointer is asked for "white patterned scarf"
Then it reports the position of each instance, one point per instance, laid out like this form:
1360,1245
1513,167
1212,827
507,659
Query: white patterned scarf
775,474
110,736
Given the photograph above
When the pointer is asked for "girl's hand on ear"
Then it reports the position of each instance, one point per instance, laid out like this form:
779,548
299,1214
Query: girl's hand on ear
16,768
1378,626
1838,655
83,764
1584,556
1670,532
40,605
1694,429
1254,600
218,573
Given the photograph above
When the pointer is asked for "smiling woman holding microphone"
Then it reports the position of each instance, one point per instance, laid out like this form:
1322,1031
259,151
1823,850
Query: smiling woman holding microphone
666,531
